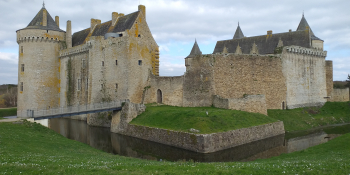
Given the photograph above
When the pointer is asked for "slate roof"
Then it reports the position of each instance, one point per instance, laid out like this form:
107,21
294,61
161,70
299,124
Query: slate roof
266,44
36,23
123,23
303,25
195,50
238,33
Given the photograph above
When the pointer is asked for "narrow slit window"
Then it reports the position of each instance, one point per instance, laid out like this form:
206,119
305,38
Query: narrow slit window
116,86
79,84
102,86
140,62
103,63
116,62
21,86
21,49
22,67
83,63
87,83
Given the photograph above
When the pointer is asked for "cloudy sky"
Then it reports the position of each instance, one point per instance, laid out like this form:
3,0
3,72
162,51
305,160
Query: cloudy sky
175,25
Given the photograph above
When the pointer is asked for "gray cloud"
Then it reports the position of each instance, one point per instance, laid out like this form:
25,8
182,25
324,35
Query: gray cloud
182,21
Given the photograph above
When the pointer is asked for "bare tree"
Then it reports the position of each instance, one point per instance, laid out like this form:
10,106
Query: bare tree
11,96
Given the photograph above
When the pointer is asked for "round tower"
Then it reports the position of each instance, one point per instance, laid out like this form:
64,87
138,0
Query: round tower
38,63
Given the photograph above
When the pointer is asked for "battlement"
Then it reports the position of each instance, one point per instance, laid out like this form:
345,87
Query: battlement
75,50
37,39
307,51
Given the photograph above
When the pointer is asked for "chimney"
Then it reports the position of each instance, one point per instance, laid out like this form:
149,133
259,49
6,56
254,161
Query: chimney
94,22
114,18
142,8
57,20
290,30
269,32
44,17
69,34
121,14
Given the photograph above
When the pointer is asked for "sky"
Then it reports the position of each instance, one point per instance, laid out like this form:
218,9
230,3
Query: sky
175,24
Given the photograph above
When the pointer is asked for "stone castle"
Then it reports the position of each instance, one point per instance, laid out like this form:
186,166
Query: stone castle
119,59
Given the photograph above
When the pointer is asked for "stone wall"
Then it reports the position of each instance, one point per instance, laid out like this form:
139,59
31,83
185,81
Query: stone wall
249,103
340,95
233,76
305,74
169,90
203,143
329,77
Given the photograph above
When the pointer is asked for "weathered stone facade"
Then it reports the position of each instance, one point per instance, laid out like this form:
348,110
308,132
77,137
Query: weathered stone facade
340,95
119,59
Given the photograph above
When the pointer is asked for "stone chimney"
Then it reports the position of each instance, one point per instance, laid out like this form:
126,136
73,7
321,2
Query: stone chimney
44,17
142,8
69,34
269,32
94,22
114,18
57,20
121,14
290,30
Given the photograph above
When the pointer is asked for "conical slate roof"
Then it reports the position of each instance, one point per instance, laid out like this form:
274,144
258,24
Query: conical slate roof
239,33
195,50
37,22
303,25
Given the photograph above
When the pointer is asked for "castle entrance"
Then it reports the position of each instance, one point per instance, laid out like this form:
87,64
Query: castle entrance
159,96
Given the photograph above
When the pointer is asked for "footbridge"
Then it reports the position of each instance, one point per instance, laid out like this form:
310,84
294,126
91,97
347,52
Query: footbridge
39,114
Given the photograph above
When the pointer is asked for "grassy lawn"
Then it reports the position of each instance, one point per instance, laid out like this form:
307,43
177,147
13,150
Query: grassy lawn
185,118
4,112
32,149
312,117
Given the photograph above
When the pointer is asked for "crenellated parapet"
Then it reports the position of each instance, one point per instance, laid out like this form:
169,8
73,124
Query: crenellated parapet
307,51
37,39
75,50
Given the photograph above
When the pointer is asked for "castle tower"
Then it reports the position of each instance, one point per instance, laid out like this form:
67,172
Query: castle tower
238,33
38,63
195,51
316,42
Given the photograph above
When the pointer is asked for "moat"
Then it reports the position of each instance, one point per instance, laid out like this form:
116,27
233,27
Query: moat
101,138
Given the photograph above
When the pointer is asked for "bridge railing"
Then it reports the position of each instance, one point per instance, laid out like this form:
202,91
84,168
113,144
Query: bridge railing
33,113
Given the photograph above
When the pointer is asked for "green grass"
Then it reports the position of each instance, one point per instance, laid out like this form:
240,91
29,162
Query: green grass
33,149
8,112
185,118
312,117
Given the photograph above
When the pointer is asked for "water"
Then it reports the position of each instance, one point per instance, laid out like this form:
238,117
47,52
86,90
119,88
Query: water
101,138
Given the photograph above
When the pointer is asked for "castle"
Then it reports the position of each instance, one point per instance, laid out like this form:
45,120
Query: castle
119,59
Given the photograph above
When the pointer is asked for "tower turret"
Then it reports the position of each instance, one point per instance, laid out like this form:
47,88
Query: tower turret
316,42
195,51
238,33
38,63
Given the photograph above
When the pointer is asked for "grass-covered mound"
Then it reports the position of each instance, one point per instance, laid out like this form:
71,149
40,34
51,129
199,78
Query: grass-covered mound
311,117
185,118
4,112
33,149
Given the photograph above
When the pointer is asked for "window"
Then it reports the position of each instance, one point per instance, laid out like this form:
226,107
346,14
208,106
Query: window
83,63
139,36
116,85
21,86
140,62
22,67
120,35
87,83
103,63
21,49
102,86
116,62
79,84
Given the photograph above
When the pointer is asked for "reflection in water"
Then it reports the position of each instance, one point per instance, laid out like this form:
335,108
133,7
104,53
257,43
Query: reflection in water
101,138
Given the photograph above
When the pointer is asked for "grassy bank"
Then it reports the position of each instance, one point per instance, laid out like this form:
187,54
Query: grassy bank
32,149
4,112
312,117
185,118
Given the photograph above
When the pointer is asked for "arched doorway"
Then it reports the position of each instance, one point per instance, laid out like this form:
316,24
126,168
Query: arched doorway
159,96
